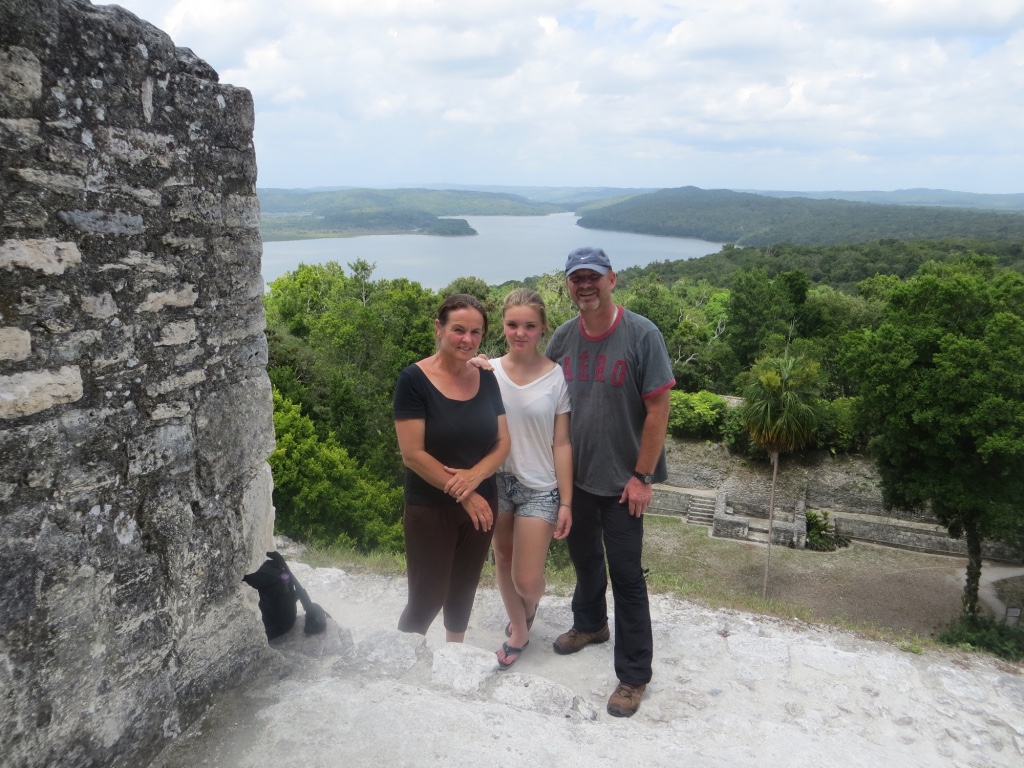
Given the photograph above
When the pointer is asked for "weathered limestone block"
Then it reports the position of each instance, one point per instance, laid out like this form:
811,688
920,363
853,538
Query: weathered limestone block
164,447
15,344
19,134
388,653
462,668
101,307
136,146
538,694
174,334
60,182
104,222
170,411
47,256
788,534
235,427
730,526
257,512
135,410
21,79
176,297
22,394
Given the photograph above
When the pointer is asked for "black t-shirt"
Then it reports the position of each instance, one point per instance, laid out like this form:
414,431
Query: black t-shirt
458,433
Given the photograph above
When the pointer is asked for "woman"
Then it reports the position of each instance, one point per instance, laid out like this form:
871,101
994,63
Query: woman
535,482
452,434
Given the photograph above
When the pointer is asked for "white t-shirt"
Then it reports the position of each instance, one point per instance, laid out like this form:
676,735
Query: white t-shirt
530,411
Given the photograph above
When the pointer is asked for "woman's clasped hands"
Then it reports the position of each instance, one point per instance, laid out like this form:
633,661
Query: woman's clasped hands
462,487
479,511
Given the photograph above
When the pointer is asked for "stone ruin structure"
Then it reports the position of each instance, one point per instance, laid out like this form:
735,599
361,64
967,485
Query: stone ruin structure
135,410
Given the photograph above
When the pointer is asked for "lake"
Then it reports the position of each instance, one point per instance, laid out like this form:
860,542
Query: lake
506,248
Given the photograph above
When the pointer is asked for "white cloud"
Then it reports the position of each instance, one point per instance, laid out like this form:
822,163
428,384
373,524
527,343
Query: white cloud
743,93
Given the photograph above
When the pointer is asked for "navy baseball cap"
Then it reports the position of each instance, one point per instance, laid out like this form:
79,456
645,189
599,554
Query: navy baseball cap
588,258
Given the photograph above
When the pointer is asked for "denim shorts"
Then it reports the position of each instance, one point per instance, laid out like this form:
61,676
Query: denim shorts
515,497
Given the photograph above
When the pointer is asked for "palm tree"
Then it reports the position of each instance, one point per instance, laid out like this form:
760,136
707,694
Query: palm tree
780,411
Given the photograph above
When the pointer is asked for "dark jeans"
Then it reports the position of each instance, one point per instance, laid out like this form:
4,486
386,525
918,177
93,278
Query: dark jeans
601,525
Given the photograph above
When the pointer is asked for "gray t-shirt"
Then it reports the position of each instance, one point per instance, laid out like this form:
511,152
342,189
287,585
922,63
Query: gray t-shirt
608,378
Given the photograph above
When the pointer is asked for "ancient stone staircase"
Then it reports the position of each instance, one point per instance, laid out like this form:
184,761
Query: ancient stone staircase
701,510
758,531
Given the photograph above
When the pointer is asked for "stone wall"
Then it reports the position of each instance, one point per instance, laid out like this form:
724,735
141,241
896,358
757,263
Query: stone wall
936,541
839,484
730,526
135,411
847,487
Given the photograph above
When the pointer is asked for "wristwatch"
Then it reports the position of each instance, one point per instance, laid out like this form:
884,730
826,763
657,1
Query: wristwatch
645,479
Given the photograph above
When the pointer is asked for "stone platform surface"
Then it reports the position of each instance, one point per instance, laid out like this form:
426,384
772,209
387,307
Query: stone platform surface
729,689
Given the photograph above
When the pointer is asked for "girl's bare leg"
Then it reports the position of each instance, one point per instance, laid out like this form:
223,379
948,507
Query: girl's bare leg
504,526
530,539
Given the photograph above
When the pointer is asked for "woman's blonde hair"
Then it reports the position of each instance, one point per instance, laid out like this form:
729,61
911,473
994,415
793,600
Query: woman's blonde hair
526,297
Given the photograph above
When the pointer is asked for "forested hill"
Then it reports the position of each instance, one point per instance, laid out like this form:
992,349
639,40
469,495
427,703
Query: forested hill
840,266
293,214
571,197
755,220
915,196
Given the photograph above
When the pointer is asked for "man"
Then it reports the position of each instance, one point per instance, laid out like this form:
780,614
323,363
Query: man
620,377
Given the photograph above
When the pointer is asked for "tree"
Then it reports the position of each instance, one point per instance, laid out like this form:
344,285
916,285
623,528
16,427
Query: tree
824,319
362,271
473,286
762,313
943,389
297,297
337,344
691,317
322,495
780,411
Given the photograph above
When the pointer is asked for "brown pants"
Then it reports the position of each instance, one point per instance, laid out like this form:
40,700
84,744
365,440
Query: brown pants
444,555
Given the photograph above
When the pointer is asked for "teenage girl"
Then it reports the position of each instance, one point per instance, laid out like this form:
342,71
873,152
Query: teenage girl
535,481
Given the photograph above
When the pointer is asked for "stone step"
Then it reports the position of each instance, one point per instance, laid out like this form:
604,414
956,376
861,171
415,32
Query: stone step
700,511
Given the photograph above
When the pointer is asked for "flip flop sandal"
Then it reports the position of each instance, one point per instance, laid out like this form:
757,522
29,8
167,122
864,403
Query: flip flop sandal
529,624
510,650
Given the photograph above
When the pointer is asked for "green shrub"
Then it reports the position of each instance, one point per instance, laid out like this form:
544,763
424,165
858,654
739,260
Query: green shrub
819,537
696,415
558,556
837,429
737,438
984,634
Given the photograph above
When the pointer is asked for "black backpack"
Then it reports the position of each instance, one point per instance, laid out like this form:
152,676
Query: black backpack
279,589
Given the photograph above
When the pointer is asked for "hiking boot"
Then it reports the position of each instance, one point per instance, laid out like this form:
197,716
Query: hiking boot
574,640
626,699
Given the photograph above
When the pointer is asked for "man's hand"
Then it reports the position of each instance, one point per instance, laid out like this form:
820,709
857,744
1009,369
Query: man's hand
637,496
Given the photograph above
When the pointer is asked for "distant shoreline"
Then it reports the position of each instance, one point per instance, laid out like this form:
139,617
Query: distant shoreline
278,238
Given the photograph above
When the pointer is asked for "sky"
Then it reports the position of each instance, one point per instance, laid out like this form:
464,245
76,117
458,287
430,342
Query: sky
737,94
